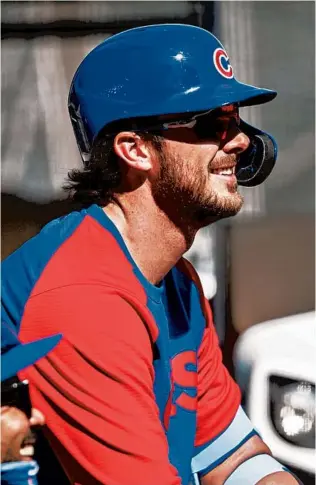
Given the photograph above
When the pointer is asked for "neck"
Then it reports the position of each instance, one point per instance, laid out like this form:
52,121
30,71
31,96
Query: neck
154,241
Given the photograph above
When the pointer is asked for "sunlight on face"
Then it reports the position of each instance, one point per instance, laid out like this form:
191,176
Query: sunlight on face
197,166
186,184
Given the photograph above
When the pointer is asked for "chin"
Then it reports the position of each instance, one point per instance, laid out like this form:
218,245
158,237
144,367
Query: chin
221,207
232,207
230,201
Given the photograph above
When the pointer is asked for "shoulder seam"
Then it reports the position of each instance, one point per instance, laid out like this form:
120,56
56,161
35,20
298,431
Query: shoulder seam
121,288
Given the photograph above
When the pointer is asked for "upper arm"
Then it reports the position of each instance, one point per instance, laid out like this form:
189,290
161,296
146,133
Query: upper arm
218,394
222,426
226,439
96,387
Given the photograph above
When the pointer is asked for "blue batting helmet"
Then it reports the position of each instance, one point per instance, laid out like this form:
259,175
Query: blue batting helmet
164,69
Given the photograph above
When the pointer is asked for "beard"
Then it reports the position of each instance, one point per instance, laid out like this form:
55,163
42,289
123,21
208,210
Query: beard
185,193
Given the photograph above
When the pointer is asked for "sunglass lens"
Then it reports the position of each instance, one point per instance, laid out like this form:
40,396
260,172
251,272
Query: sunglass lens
214,128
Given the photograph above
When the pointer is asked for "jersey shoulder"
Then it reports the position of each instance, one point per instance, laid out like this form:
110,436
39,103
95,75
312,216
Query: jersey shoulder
22,269
82,248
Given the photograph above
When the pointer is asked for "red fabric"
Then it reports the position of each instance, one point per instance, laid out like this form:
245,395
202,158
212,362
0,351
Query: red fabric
96,387
218,395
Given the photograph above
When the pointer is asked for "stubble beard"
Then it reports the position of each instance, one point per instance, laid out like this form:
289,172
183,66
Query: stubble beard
186,197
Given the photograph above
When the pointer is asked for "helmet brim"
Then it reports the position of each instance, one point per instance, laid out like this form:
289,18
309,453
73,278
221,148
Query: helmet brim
207,98
25,354
247,95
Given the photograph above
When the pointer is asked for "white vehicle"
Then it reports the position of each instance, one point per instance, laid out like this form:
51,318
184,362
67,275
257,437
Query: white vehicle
275,365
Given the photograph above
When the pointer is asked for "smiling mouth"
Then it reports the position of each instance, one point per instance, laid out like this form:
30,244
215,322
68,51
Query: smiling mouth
224,171
27,447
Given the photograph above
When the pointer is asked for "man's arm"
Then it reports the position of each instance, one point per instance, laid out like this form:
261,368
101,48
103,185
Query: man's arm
228,449
96,388
252,448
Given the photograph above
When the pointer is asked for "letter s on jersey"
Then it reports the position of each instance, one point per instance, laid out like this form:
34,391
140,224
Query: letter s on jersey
184,379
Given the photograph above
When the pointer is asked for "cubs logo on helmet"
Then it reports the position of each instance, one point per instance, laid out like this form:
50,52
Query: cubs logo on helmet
221,62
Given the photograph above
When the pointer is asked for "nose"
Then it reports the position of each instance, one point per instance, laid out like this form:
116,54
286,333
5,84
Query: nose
237,143
37,418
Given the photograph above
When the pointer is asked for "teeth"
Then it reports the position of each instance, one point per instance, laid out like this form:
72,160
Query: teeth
27,450
225,171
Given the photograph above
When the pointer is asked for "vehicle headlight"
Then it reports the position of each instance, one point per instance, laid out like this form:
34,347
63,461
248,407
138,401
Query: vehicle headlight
292,410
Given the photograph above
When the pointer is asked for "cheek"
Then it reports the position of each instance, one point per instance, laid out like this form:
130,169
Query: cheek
188,164
199,162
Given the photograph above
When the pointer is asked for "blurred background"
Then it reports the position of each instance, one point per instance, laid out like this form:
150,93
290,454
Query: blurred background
258,269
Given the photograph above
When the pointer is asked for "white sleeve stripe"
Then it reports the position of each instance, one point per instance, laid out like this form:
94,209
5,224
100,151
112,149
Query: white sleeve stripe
232,437
253,470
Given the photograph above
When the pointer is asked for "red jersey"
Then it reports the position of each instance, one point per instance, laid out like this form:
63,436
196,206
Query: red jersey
136,392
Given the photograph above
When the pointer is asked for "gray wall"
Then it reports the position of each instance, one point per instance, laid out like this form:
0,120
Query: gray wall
272,242
273,44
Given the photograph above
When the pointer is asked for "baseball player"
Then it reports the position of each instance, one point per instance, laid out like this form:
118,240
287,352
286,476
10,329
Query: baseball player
136,392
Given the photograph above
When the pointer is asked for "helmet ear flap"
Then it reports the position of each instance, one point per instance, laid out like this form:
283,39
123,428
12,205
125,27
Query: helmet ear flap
256,163
82,135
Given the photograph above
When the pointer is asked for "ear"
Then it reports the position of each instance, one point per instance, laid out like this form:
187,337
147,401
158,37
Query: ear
133,151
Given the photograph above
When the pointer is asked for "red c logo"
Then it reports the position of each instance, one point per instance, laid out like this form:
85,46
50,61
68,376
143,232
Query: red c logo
218,56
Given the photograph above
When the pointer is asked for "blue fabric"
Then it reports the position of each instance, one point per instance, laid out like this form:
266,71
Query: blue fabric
19,473
224,445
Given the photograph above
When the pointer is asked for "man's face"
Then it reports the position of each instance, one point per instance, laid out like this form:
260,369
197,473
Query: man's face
17,438
196,181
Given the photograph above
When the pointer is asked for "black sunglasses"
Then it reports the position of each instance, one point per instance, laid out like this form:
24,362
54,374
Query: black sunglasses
15,393
210,125
207,125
